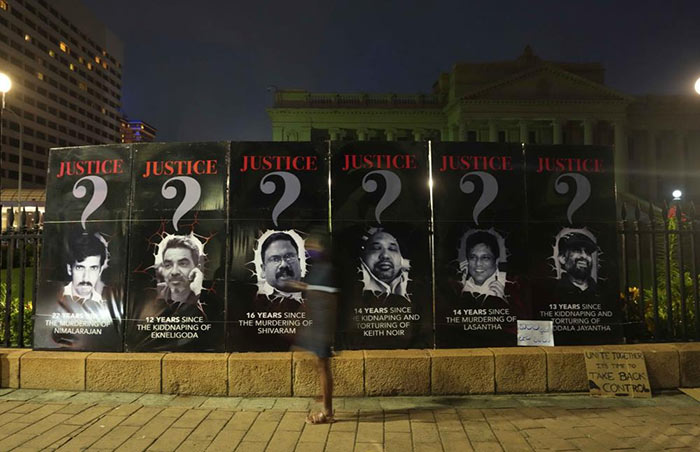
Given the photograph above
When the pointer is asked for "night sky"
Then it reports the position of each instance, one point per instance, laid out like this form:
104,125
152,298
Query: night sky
198,71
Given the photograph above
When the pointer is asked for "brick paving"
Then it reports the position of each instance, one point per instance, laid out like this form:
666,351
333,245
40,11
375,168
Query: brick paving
32,420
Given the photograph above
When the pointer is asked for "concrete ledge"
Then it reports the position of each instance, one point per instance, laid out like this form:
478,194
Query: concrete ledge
689,358
663,365
124,372
260,374
195,373
566,369
522,369
348,368
462,371
9,366
397,372
53,370
356,373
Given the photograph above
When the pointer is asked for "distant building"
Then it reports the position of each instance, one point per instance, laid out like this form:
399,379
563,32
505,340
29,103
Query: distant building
66,71
134,131
656,139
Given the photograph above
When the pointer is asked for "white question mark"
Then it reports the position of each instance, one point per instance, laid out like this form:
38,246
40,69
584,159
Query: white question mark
292,189
488,194
99,194
583,192
393,189
193,191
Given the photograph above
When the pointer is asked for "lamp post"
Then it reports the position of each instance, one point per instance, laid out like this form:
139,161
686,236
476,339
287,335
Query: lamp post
5,86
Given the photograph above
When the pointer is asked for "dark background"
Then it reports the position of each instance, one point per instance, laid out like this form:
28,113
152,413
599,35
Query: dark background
199,71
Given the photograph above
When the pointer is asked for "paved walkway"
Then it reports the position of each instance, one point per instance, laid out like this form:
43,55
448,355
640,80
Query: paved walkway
67,421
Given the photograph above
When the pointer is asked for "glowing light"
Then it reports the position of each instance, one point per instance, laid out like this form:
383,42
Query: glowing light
677,194
697,86
5,83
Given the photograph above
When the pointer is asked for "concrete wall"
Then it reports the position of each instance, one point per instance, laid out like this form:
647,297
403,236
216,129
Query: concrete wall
356,373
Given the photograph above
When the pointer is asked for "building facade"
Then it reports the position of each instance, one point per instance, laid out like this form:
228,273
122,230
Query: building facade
655,139
66,70
135,131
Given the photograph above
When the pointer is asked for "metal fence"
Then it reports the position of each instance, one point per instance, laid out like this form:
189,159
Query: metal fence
659,277
657,255
20,243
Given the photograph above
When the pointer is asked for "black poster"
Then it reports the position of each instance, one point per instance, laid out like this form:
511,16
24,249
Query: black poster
481,252
279,197
177,247
573,242
380,205
82,278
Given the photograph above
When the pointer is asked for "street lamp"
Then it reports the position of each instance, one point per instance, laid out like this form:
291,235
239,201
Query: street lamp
677,195
5,86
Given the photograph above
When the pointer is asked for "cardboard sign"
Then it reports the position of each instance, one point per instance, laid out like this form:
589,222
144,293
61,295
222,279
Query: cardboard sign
535,333
617,373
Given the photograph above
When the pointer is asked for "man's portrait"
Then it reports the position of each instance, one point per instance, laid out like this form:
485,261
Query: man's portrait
87,258
280,261
178,262
384,269
480,252
576,260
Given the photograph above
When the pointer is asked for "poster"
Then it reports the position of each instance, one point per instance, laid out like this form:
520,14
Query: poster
481,249
177,247
573,242
380,224
279,198
82,276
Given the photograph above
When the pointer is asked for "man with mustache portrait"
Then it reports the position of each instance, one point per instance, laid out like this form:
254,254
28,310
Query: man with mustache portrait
280,266
86,261
180,275
383,267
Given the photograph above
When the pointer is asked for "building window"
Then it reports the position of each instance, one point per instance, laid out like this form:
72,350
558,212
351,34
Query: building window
40,76
3,5
501,136
532,137
63,46
27,38
471,135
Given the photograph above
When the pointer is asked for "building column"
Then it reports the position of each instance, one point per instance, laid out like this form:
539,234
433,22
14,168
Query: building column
390,134
418,134
588,131
556,132
620,156
462,133
652,175
493,131
679,158
362,134
445,134
524,131
334,134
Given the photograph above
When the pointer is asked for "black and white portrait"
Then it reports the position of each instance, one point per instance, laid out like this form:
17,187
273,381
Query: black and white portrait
383,268
179,260
480,254
280,261
87,257
576,260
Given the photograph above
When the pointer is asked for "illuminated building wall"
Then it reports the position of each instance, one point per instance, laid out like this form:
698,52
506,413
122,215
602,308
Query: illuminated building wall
66,70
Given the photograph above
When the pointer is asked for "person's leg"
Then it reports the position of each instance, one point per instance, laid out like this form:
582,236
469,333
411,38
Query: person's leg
324,373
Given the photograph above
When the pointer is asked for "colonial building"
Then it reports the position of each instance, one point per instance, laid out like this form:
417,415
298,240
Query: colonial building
656,139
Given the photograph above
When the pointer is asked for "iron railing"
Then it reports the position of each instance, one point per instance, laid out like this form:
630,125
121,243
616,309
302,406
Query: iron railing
20,242
659,278
659,272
